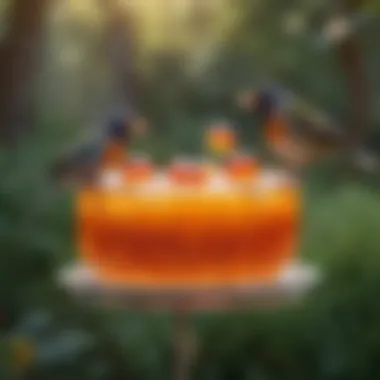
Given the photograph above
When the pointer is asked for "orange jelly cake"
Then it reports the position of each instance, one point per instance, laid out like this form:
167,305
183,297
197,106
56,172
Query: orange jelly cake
176,233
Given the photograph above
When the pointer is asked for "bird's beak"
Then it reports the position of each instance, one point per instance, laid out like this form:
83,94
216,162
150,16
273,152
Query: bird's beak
247,100
140,127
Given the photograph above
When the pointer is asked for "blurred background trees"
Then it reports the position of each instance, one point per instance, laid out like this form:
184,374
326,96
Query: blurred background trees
19,57
64,64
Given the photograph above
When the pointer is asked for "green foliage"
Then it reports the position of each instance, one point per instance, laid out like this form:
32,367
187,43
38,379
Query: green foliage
334,334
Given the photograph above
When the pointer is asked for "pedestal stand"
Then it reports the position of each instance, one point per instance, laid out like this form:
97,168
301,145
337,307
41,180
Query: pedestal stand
292,283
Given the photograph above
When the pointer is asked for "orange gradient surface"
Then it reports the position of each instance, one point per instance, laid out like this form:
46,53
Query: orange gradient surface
194,239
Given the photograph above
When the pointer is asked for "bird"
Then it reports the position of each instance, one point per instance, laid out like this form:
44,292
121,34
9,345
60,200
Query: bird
297,133
83,164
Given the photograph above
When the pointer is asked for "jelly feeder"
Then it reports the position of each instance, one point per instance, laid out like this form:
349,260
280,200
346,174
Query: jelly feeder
191,239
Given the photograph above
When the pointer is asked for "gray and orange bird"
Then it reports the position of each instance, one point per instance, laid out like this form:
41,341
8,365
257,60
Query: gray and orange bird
84,163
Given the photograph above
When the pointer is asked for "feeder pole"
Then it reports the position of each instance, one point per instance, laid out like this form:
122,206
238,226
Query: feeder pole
184,345
291,284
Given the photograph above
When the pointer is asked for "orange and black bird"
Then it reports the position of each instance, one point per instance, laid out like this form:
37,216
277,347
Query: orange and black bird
296,133
84,163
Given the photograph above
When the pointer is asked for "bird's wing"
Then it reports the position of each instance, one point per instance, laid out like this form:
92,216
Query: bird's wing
80,159
87,154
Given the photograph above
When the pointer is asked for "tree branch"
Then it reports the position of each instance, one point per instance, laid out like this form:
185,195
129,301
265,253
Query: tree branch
350,57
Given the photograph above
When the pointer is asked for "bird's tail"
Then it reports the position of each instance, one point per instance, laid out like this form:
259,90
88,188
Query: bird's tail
69,171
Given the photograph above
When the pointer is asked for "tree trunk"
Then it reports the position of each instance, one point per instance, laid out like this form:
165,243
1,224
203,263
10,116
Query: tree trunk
352,61
121,52
19,55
